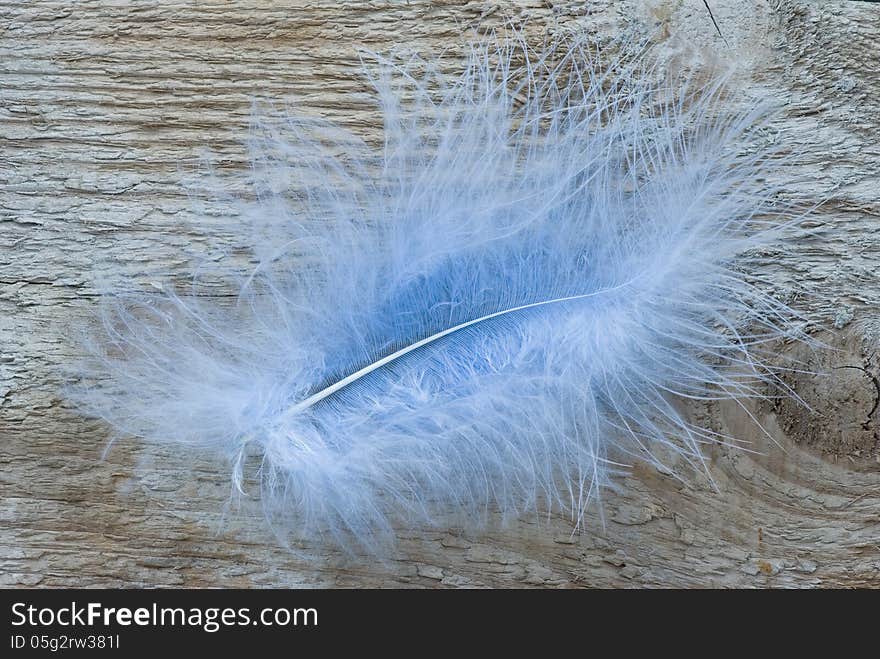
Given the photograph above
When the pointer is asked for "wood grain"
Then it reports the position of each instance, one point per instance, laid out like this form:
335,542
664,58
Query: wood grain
105,105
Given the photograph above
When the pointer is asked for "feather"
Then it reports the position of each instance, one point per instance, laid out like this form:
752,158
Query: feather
499,309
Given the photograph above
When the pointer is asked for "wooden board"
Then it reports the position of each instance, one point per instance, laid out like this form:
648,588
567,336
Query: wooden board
106,106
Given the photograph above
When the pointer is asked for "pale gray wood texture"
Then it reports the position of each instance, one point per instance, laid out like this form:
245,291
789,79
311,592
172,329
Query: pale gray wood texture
104,105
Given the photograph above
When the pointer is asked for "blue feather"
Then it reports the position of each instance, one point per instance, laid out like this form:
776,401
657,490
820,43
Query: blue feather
498,311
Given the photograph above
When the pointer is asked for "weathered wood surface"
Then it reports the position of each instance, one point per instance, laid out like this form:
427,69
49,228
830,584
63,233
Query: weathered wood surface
105,103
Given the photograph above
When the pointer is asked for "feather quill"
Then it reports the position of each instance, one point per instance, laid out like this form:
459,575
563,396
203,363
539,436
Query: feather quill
496,310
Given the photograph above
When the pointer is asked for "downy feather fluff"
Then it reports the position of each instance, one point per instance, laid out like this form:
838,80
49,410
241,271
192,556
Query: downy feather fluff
497,309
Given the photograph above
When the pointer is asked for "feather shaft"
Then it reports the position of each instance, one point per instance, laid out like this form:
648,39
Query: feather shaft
366,370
